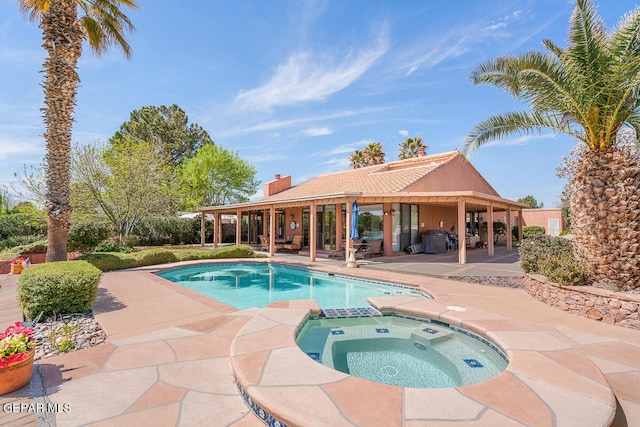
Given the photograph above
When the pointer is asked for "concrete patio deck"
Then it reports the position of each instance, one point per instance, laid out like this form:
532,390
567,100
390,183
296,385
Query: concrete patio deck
167,357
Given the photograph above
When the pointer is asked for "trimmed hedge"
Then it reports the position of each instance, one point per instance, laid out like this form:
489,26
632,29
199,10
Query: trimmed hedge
108,261
532,230
58,288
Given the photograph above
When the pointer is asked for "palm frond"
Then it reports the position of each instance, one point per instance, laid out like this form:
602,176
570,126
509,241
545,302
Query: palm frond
33,9
519,123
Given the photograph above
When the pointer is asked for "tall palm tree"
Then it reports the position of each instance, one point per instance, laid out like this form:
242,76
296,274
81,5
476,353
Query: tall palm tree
373,153
102,23
591,91
410,147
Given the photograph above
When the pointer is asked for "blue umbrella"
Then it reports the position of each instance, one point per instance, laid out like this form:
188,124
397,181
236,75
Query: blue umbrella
354,221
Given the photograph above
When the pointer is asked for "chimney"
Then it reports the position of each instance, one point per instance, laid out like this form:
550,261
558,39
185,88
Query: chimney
277,185
421,152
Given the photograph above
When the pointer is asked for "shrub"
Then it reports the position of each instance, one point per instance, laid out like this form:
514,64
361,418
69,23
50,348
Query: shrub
565,232
234,251
108,261
156,231
112,247
153,257
23,224
564,270
85,236
539,247
58,288
532,230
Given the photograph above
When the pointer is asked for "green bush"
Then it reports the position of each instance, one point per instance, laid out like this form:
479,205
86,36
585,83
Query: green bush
234,251
153,256
112,247
565,232
539,247
84,236
564,270
157,231
532,230
108,261
58,288
23,224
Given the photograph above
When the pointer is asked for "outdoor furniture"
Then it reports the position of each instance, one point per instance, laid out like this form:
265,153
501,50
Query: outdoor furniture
295,244
434,242
264,243
373,248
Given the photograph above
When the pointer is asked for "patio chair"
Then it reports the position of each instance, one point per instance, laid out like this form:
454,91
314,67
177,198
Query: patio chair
296,243
264,243
374,248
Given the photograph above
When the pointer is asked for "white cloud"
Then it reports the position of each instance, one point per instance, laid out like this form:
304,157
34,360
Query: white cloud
311,76
496,26
520,140
314,131
404,133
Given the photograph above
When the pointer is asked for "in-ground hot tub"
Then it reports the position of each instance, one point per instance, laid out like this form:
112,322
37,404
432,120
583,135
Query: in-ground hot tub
402,351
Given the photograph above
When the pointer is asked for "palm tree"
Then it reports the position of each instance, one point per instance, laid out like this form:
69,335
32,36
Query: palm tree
591,91
102,24
373,154
410,148
357,159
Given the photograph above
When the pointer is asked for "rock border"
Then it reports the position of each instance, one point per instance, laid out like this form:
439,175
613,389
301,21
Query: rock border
615,308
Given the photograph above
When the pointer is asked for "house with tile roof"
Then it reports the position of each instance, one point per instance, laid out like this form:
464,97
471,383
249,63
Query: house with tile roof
398,203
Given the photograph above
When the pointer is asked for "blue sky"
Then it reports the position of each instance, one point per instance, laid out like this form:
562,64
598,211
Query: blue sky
296,86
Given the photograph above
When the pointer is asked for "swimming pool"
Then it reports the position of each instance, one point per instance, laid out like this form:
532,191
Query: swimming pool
401,351
246,285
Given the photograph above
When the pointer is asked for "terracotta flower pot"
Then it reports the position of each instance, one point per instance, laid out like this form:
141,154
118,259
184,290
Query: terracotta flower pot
16,268
17,375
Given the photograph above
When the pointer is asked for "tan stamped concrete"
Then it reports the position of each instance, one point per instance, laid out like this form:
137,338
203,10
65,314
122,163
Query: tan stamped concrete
171,356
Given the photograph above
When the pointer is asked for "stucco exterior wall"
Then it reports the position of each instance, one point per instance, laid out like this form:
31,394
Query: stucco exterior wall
455,175
431,215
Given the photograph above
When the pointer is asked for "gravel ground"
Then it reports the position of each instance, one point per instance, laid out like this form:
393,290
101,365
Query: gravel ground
66,333
503,282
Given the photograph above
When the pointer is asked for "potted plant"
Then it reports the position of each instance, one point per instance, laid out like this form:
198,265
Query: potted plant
16,265
17,349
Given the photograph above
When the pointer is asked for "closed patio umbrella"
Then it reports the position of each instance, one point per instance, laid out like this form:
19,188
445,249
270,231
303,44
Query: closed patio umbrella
354,221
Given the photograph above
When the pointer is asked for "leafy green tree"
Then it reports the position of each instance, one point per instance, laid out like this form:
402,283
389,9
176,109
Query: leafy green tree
216,176
410,148
530,201
168,127
125,183
102,24
591,91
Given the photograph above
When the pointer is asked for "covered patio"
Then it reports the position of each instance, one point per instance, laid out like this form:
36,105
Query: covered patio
398,202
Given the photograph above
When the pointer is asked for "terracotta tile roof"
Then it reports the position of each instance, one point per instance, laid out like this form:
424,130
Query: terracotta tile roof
385,178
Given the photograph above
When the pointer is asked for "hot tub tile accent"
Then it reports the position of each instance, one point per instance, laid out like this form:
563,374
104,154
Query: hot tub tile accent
382,330
337,332
473,363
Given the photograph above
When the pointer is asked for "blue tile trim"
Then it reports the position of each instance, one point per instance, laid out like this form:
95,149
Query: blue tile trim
264,416
332,313
473,363
382,330
430,331
337,332
314,356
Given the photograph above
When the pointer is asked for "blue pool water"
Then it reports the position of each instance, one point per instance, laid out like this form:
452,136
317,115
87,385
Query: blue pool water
245,285
403,352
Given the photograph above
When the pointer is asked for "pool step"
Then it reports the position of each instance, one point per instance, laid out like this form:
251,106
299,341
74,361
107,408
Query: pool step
431,334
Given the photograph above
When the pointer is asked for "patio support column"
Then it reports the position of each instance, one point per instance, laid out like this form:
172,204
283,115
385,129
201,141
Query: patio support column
462,232
509,234
218,230
387,222
238,227
520,221
348,241
312,232
490,248
338,227
202,229
265,225
272,231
